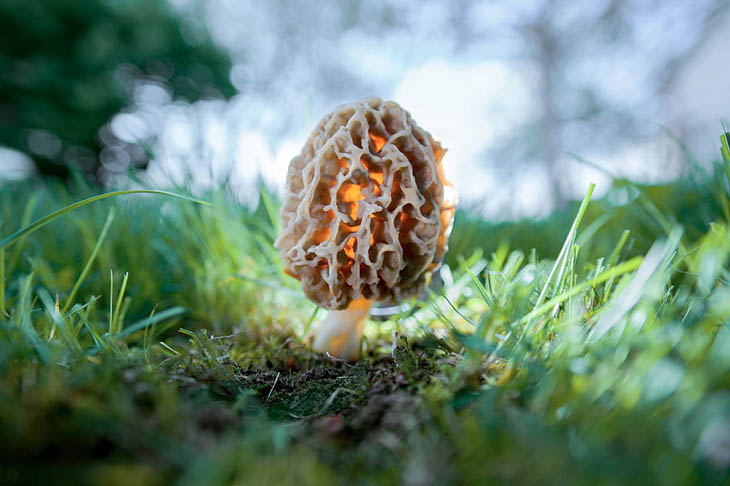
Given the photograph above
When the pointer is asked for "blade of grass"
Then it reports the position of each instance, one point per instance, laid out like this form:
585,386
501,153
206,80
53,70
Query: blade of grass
685,151
94,335
175,353
619,247
593,165
561,260
58,321
271,211
78,308
152,319
187,332
123,312
458,312
2,283
15,254
569,277
308,326
663,222
626,267
147,336
482,291
90,261
115,319
725,141
273,286
622,303
110,331
50,217
22,314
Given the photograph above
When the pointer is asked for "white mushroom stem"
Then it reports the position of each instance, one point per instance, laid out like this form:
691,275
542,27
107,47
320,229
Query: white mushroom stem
339,334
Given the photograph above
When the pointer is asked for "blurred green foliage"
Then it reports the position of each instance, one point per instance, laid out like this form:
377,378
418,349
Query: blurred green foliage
67,66
648,211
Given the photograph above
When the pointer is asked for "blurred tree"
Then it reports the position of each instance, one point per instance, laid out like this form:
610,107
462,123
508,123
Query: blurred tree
598,68
67,66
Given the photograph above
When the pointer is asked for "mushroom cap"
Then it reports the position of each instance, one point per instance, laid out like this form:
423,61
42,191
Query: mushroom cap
367,211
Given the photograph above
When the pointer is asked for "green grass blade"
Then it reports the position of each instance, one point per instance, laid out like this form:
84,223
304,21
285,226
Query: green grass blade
168,348
482,291
154,319
110,330
271,211
15,254
187,332
685,151
94,335
626,267
562,256
2,282
725,141
115,320
622,303
23,310
619,246
78,308
53,312
50,217
89,262
308,326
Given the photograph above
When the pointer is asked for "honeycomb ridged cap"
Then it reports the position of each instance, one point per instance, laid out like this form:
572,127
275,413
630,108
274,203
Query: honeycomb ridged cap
367,210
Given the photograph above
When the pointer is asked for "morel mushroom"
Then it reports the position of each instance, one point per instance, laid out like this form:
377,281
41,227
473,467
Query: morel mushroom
366,216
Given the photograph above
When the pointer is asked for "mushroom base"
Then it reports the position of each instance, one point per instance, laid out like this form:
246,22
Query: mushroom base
339,334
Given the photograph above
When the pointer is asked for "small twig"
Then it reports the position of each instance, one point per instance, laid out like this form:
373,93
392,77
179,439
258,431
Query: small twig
303,417
331,399
213,338
325,406
338,360
286,341
276,380
333,358
162,343
164,362
394,346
